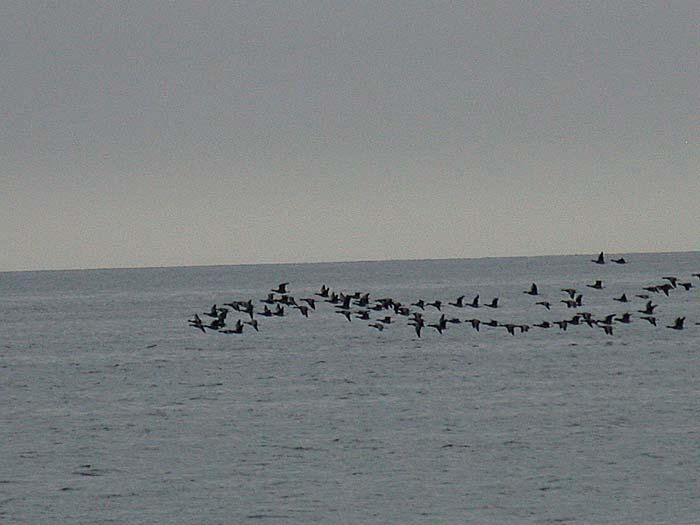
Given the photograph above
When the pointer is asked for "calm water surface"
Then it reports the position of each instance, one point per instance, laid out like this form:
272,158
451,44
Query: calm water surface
115,411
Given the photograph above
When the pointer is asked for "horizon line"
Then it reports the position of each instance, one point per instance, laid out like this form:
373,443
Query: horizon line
289,263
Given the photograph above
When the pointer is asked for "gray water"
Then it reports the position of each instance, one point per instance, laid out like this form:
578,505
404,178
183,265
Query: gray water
114,410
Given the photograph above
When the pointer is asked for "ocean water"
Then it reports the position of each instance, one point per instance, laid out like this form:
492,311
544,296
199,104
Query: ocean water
114,410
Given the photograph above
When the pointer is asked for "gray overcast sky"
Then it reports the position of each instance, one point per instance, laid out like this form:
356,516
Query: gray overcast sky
178,133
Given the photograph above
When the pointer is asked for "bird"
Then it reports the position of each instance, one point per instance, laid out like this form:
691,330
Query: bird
493,304
459,303
625,318
253,323
311,302
474,322
686,286
622,299
677,324
238,329
600,259
281,288
346,313
608,329
651,319
543,324
649,309
418,325
621,260
533,290
598,285
323,292
671,279
546,304
570,291
420,304
474,303
303,309
435,304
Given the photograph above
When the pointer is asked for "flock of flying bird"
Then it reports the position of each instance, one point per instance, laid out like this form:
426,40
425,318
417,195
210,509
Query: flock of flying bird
388,311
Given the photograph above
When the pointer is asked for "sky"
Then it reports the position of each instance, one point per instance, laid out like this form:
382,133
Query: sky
193,133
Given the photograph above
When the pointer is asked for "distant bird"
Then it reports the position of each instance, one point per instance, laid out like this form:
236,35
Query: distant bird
435,304
253,323
459,303
279,311
214,312
642,296
665,288
598,285
696,275
311,302
625,318
420,304
543,324
608,319
621,260
346,313
418,325
237,330
385,320
474,303
687,286
570,291
324,291
266,312
653,289
546,304
533,290
303,309
672,280
677,324
362,314
474,322
440,325
649,309
622,299
493,304
269,300
282,288
562,324
492,322
600,259
651,319
608,329
196,322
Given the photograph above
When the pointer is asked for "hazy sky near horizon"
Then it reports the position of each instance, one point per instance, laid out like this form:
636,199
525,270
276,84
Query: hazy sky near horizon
182,133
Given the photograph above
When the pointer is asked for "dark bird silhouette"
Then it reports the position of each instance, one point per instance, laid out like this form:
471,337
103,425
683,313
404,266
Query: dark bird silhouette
474,303
677,324
346,313
626,318
196,322
238,329
570,291
493,304
420,304
649,308
598,285
686,286
459,303
324,291
600,259
435,304
310,301
622,299
665,288
282,288
651,319
546,304
269,300
543,324
253,323
492,323
385,320
608,329
672,280
279,311
266,312
214,312
303,309
418,325
362,314
621,260
533,290
474,322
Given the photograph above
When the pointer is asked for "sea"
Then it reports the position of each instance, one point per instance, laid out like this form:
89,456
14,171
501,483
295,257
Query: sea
115,410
